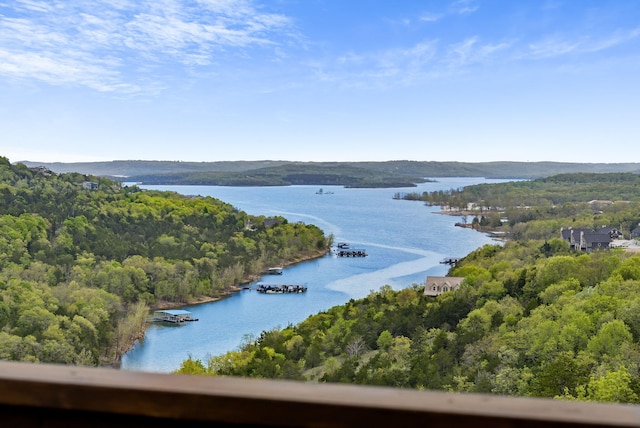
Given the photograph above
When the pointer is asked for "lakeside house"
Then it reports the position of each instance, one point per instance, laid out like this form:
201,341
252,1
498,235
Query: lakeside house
588,240
89,185
270,222
436,285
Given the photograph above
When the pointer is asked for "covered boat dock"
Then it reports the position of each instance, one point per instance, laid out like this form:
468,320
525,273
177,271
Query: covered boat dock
176,316
280,288
351,252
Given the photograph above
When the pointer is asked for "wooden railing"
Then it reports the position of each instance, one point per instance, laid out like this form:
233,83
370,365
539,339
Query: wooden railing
60,396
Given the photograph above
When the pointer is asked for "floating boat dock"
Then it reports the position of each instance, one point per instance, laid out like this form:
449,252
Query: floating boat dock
175,316
351,252
274,271
280,288
322,192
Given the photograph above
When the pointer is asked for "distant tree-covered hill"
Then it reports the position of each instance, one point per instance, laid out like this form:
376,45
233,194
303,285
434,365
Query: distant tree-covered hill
128,168
290,174
361,174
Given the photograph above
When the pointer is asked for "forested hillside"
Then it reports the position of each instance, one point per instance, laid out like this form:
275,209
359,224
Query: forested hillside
369,174
532,318
538,209
82,259
299,173
556,190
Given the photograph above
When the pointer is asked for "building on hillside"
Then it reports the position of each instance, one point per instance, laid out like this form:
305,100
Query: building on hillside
589,240
270,222
436,285
89,185
595,241
635,233
573,236
41,170
613,232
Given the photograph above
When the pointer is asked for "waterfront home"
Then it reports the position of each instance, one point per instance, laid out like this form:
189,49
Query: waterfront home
588,239
436,285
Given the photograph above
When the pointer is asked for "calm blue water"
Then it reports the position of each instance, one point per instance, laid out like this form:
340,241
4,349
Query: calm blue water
405,241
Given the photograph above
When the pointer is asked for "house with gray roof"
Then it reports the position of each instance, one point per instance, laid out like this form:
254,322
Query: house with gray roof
613,232
588,239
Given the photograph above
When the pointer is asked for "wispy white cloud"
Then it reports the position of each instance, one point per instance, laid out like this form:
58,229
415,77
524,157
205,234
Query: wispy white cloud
405,66
56,69
618,38
442,57
386,68
461,52
560,45
435,59
105,44
464,7
128,46
551,47
430,17
38,6
471,51
459,7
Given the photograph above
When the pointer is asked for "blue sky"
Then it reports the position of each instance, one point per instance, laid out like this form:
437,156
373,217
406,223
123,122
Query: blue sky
320,80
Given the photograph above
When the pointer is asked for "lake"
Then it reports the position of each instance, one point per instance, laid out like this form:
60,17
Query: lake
405,242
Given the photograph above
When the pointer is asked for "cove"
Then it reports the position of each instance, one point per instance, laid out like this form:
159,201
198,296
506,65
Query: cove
405,242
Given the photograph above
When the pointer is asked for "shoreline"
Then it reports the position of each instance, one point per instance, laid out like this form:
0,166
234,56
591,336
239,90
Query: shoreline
493,233
207,299
236,288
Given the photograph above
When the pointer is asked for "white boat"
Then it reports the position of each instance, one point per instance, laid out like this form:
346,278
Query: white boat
274,271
